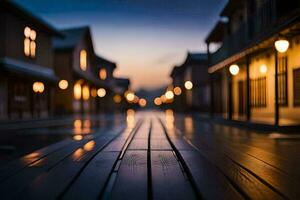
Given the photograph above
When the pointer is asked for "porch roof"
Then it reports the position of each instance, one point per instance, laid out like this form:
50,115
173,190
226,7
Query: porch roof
288,28
230,7
15,8
217,33
28,69
103,61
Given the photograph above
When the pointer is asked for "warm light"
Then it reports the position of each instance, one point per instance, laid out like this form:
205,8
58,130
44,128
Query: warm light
94,92
83,59
77,137
142,102
27,47
117,98
177,91
32,48
136,99
77,124
38,87
27,32
102,74
63,84
130,96
169,95
89,146
163,98
157,101
234,69
188,85
263,69
282,45
85,92
101,92
77,91
32,35
29,42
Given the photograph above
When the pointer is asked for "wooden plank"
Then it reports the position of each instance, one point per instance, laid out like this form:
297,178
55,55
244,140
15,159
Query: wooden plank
168,180
160,144
92,180
19,164
131,182
12,186
211,183
51,184
244,180
139,144
50,178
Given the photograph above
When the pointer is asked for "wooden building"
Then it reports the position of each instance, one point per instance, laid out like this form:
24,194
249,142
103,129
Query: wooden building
75,64
255,72
27,78
104,71
192,80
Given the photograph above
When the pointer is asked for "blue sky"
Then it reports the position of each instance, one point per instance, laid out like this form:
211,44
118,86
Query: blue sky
145,37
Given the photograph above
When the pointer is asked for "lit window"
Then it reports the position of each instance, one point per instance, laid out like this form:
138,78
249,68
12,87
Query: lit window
77,91
102,74
83,59
30,42
85,92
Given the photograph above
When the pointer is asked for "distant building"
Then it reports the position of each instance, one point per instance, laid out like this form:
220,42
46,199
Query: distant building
193,80
76,64
27,78
122,85
255,72
104,71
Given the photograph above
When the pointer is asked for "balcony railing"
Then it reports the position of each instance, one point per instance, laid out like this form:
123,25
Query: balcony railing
258,24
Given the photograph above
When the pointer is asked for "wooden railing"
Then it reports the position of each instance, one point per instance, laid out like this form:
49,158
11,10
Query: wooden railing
259,23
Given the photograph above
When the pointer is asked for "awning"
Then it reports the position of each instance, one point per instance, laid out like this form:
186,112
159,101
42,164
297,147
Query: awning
27,69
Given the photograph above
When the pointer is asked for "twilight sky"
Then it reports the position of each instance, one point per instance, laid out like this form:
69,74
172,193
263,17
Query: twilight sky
146,38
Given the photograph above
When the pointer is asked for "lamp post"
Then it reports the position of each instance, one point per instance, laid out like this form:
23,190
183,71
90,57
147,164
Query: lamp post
281,46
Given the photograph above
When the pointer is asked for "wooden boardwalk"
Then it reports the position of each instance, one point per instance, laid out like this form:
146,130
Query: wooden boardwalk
153,158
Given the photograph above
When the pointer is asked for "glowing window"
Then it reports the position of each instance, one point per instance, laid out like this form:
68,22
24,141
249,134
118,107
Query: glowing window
83,59
102,74
77,91
30,42
85,92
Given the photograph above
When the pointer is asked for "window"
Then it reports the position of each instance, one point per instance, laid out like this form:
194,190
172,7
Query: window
296,76
83,59
282,81
30,42
258,92
102,74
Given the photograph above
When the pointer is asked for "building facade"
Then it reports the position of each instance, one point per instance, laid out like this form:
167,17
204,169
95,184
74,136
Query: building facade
75,64
27,78
255,71
193,80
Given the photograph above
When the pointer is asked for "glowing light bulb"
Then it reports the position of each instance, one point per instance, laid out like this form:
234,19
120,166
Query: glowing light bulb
234,69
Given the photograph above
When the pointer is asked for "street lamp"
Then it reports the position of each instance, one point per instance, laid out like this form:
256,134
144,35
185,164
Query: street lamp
282,45
188,85
169,95
234,69
38,87
263,69
63,84
101,92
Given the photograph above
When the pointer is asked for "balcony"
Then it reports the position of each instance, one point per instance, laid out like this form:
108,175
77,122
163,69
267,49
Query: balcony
265,21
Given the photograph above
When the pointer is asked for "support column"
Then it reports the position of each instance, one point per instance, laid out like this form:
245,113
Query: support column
248,103
229,89
211,79
211,76
276,90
